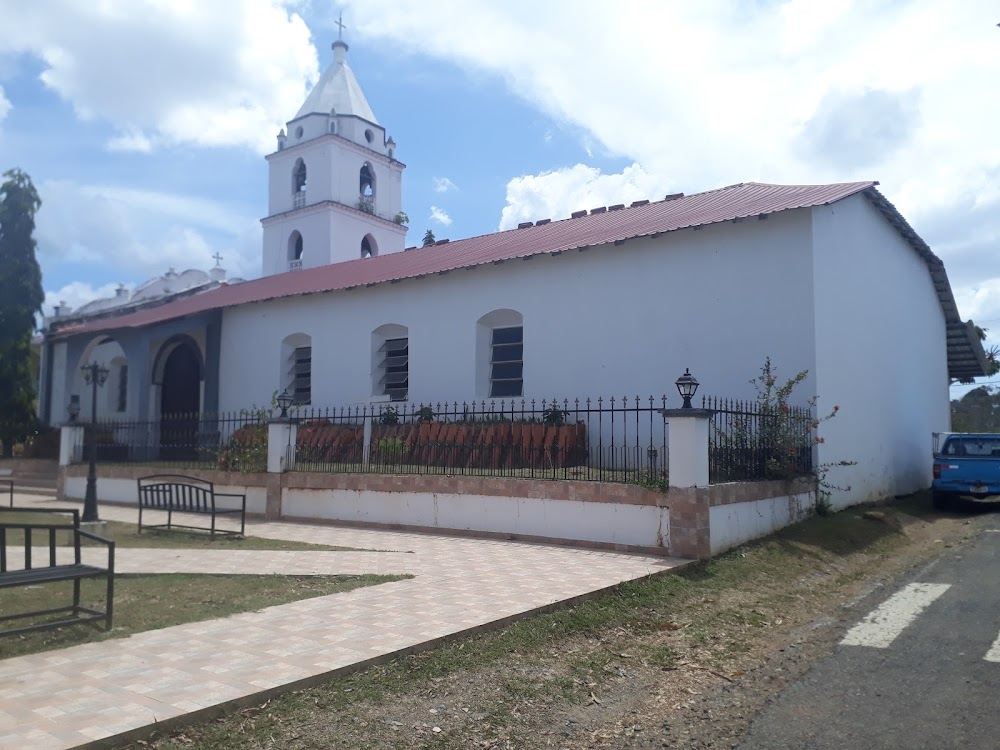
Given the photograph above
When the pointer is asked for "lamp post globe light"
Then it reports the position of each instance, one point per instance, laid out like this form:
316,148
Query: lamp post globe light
284,401
95,376
687,386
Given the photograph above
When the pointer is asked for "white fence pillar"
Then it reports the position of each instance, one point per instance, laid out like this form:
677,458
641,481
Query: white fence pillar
281,436
687,431
70,443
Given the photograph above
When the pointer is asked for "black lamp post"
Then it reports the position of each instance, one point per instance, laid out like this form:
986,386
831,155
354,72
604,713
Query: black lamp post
284,401
95,376
686,386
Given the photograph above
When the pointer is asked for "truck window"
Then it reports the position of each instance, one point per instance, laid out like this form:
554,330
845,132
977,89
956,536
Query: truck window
972,447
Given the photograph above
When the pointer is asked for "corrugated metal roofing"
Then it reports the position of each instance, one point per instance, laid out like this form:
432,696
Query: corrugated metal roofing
725,204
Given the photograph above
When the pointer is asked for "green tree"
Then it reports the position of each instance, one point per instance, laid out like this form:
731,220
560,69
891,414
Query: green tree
429,238
977,411
21,298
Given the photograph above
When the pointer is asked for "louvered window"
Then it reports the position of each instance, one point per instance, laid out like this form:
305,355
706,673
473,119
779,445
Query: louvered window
506,362
302,375
395,368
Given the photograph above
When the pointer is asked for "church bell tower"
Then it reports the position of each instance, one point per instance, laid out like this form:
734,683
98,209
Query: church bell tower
334,184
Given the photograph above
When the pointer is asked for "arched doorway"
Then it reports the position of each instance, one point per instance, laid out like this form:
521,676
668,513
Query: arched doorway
179,371
181,392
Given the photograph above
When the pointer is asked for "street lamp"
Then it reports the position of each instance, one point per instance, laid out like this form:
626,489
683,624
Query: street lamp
95,376
686,386
284,401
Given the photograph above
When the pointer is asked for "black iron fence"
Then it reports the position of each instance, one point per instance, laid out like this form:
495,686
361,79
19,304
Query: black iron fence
235,441
608,440
750,441
604,439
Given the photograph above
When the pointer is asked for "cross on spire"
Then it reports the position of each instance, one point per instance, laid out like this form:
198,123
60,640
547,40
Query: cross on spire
340,26
218,259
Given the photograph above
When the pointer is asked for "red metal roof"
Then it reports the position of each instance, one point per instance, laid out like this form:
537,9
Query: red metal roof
605,226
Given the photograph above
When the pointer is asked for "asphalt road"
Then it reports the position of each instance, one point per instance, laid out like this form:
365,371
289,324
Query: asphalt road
919,668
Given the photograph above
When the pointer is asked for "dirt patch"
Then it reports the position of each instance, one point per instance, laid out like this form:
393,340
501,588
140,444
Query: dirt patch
680,661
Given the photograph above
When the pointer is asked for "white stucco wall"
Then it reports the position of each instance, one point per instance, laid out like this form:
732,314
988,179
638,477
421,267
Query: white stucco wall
329,235
880,353
333,167
607,321
610,523
110,355
733,524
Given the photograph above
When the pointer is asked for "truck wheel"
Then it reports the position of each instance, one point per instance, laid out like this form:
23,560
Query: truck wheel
942,501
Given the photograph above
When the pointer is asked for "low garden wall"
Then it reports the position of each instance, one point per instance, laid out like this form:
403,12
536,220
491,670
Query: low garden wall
117,484
695,522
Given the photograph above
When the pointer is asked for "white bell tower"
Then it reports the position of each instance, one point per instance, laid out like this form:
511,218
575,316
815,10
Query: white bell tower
334,183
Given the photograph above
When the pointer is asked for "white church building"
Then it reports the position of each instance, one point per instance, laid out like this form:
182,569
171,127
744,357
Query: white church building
615,300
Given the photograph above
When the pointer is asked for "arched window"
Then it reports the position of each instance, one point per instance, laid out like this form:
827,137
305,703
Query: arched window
296,367
299,177
500,354
295,246
366,198
369,248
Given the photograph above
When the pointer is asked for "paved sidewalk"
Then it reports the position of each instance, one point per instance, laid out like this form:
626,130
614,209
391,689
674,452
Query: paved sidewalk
231,562
66,698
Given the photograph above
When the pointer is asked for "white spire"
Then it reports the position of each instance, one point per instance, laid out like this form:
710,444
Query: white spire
338,90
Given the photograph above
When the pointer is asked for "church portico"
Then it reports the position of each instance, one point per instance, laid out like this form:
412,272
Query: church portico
167,368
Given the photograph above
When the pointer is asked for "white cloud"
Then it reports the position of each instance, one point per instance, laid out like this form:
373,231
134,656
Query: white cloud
133,140
718,92
555,195
443,185
75,295
5,105
440,215
207,73
141,233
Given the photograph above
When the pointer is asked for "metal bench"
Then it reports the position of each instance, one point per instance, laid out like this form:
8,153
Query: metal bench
183,494
6,479
51,570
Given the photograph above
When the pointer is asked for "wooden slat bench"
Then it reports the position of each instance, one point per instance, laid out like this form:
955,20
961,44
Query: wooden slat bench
51,569
183,494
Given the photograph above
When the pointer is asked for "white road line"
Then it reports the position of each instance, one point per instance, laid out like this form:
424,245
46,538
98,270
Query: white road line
882,625
994,653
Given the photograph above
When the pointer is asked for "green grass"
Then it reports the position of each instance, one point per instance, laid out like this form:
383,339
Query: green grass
149,602
565,655
127,535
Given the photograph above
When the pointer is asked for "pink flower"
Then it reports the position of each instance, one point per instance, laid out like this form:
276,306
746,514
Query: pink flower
784,407
836,408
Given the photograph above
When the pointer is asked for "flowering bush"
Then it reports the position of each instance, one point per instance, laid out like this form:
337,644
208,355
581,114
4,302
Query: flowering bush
774,441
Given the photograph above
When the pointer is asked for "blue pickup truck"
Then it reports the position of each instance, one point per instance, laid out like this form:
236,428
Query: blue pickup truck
966,468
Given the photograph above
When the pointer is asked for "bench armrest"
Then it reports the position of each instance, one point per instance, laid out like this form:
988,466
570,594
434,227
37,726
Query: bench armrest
103,540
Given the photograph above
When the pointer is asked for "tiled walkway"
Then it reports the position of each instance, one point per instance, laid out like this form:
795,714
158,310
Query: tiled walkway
66,698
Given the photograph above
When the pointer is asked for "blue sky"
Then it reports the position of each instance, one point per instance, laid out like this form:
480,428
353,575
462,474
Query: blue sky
144,122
